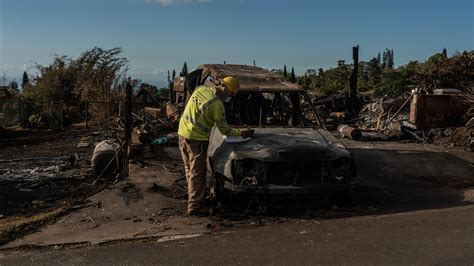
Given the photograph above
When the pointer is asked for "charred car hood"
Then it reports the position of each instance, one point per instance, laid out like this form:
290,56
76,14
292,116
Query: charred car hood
291,144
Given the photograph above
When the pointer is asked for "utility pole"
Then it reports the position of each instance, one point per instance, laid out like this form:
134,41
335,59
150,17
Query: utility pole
353,103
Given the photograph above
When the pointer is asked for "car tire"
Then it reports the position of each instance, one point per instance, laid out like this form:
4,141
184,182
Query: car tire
215,189
217,192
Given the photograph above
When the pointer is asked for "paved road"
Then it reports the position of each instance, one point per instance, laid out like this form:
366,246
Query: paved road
444,236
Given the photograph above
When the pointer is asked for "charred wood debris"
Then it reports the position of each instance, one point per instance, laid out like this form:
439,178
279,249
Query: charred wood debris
442,116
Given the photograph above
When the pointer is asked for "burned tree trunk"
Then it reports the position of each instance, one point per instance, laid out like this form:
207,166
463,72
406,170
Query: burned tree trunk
353,102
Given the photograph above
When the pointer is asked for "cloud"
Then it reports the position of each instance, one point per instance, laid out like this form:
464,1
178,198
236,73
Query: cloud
159,72
166,3
6,67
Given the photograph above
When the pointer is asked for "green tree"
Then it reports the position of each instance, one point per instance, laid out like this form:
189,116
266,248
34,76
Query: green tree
25,80
394,82
97,75
445,53
308,79
56,82
373,73
184,70
285,74
387,59
454,72
293,76
391,62
100,74
363,76
335,79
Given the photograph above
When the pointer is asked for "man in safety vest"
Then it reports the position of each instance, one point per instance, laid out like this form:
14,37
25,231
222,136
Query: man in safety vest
204,109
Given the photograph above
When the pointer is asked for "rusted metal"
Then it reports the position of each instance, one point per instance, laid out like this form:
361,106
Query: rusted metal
350,132
341,116
251,78
178,95
437,111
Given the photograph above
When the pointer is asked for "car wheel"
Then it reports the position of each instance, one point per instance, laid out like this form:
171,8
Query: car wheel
216,188
218,194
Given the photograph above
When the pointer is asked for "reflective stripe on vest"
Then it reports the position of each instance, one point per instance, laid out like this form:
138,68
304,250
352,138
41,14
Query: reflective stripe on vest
198,115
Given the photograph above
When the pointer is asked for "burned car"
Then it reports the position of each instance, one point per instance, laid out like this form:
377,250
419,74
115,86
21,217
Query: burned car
290,152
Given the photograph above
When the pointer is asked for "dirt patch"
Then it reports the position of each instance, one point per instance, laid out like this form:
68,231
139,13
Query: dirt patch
17,226
130,193
178,190
41,174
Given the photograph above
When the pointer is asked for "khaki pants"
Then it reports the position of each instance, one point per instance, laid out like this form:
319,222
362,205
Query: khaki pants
194,155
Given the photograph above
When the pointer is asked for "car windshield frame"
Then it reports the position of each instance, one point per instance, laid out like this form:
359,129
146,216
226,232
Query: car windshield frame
297,119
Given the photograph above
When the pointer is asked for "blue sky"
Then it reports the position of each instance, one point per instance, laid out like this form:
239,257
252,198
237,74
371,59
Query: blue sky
157,35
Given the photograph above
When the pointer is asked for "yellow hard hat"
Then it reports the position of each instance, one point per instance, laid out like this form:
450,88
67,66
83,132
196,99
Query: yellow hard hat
232,84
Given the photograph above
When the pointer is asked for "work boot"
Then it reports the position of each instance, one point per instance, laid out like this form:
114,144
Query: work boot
199,212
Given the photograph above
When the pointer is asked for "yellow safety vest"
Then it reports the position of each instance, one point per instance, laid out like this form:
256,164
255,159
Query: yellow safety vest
202,111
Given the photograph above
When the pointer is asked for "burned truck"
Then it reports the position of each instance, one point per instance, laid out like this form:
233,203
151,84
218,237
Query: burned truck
290,153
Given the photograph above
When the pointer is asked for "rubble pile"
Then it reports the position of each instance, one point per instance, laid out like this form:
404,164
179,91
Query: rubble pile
456,136
29,184
151,129
444,117
37,168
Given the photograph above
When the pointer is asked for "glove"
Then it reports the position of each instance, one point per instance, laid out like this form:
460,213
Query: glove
247,133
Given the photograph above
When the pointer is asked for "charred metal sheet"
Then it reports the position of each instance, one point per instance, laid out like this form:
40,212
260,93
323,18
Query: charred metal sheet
437,111
284,144
284,190
282,156
250,77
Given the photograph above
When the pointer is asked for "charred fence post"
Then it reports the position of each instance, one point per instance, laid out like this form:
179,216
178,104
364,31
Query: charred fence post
19,110
171,93
61,115
86,115
353,104
128,124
